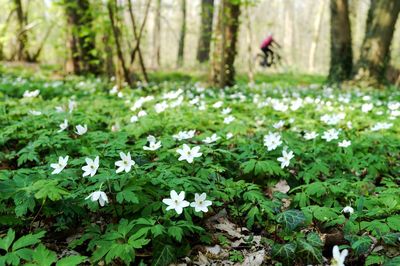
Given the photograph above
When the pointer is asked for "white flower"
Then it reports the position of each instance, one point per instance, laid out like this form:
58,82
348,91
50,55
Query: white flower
381,125
98,196
310,135
229,119
348,209
226,111
142,113
80,130
114,90
33,112
344,143
176,202
338,258
218,104
331,134
229,135
285,159
91,166
31,94
153,144
160,107
134,119
59,109
366,107
188,154
71,105
58,167
63,126
125,164
200,203
211,139
278,125
272,141
182,135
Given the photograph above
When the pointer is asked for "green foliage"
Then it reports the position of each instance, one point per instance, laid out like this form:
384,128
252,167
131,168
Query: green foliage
239,175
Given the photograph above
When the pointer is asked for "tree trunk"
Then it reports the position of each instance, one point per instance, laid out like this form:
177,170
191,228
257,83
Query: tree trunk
223,70
375,50
181,47
22,34
157,36
83,39
138,37
317,33
116,32
3,31
207,14
341,51
250,43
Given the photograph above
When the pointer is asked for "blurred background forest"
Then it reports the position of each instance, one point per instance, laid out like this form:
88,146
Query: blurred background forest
129,39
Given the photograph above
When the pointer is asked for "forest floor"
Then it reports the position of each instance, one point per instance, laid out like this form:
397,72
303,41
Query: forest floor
285,171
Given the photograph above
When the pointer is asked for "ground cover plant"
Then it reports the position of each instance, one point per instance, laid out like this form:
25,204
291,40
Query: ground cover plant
179,173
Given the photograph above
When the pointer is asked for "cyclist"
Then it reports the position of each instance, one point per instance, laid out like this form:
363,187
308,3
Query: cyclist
269,55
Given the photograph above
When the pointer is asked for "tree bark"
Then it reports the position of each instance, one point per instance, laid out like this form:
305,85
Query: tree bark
250,43
181,47
375,49
3,32
315,39
82,39
22,34
138,37
156,59
341,51
223,70
111,13
207,15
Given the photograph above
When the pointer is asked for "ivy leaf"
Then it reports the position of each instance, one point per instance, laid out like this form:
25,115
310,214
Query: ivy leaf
285,252
361,245
314,240
310,253
164,257
291,218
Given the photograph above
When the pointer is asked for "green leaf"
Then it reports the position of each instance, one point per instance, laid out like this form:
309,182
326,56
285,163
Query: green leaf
176,232
374,260
291,219
392,262
394,222
361,245
71,261
391,238
28,240
48,189
164,257
128,196
43,257
5,242
314,240
286,252
310,253
248,166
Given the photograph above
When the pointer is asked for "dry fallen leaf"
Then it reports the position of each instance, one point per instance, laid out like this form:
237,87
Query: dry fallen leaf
281,186
229,227
253,259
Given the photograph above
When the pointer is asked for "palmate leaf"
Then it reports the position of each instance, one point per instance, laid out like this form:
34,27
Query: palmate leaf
71,261
360,245
28,240
6,241
291,219
285,252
